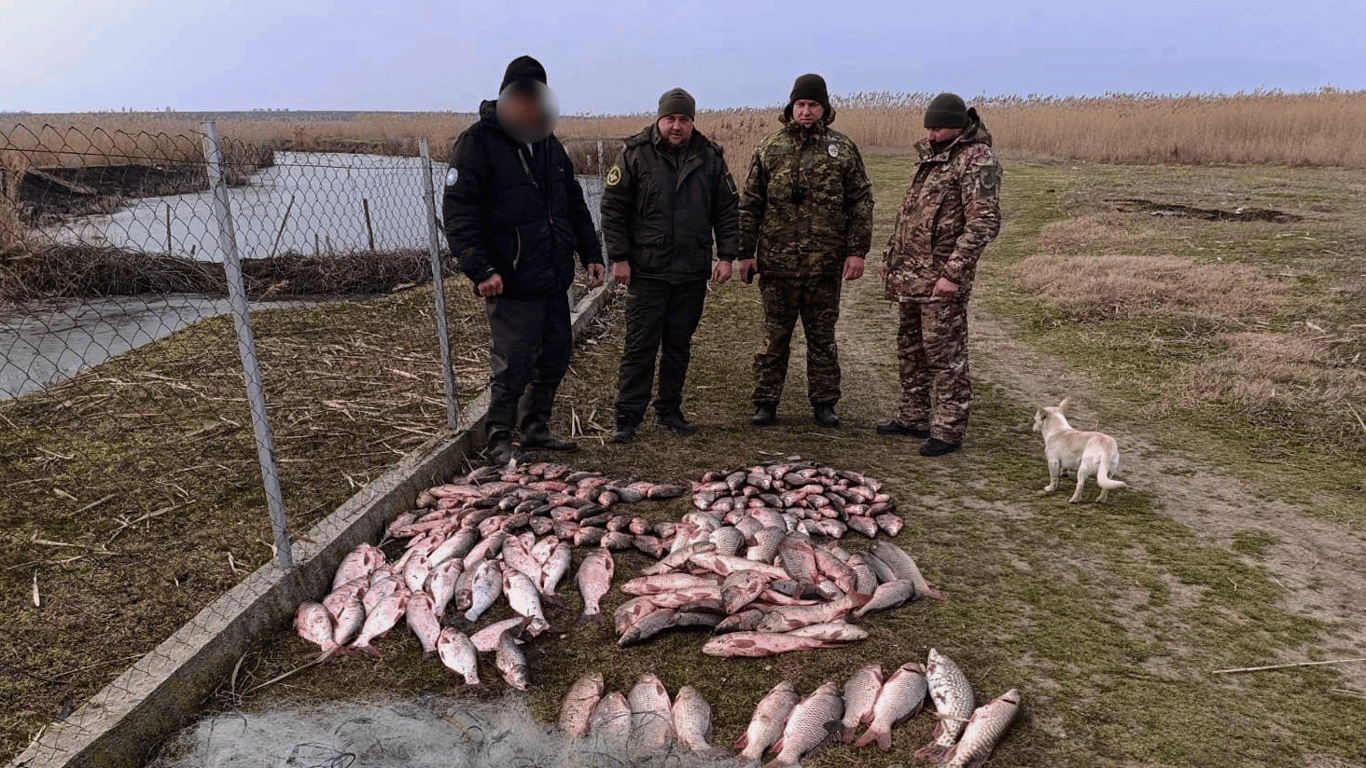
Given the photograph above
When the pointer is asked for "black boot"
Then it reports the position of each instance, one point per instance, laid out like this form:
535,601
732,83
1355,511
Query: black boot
765,415
501,451
937,447
824,415
625,431
537,435
677,424
895,427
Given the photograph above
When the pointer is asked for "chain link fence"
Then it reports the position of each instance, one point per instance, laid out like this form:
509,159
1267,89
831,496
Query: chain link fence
205,347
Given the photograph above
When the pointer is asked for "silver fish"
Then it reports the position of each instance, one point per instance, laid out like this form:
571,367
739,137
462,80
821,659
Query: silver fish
314,624
579,702
485,586
422,621
860,693
349,620
766,726
888,595
904,565
814,723
900,698
555,567
458,654
381,620
651,714
610,724
692,721
594,579
511,662
983,731
525,599
953,700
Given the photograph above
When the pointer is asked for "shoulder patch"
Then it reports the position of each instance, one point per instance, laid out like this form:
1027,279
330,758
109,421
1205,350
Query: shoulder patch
833,149
614,176
989,175
452,176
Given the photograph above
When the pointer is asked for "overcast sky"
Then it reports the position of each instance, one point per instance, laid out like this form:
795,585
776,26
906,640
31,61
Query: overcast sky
616,56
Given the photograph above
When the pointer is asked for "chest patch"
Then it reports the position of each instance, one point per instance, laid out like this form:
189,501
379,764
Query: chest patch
452,176
834,150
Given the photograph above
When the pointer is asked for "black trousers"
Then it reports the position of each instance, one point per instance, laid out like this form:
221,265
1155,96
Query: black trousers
530,342
661,318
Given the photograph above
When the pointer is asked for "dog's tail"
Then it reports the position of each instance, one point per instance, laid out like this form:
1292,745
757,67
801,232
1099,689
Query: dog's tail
1103,478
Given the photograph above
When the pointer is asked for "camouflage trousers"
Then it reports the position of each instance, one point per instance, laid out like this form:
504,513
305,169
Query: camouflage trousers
816,302
932,348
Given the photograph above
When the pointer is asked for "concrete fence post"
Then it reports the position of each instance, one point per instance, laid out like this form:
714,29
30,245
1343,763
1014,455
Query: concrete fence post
246,345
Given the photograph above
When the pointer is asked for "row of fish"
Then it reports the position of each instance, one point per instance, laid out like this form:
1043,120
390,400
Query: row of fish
767,592
792,727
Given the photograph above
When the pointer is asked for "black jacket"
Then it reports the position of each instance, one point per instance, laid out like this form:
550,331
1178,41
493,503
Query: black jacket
661,207
516,210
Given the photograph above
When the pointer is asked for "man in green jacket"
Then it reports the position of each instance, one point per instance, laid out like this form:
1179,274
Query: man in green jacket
668,197
806,222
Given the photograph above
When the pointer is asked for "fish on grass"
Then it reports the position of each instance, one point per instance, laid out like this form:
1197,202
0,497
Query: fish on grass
983,732
901,697
766,726
692,722
761,644
610,724
576,711
511,662
458,654
594,579
953,701
814,723
651,714
860,694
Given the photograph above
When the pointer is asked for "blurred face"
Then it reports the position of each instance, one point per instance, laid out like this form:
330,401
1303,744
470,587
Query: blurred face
807,112
676,129
523,109
941,135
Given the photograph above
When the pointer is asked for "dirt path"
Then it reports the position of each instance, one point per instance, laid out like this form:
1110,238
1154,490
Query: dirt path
1316,561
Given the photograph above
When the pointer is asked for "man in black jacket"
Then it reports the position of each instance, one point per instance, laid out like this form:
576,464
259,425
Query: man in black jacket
666,195
515,216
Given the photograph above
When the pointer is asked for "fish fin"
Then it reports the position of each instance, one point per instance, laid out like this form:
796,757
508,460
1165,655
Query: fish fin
931,593
368,650
868,737
932,753
776,746
742,741
884,740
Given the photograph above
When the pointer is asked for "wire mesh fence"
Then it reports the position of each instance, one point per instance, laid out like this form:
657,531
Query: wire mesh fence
136,468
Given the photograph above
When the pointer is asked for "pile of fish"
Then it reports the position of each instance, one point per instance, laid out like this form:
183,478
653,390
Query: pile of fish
741,563
792,727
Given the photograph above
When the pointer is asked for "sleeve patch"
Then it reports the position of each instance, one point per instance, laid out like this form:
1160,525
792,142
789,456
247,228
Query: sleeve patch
989,176
452,176
614,176
730,184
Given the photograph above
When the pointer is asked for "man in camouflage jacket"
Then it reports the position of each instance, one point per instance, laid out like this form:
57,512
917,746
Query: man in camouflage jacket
951,212
806,222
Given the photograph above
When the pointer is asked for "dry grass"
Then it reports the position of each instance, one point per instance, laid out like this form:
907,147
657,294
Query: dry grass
1089,286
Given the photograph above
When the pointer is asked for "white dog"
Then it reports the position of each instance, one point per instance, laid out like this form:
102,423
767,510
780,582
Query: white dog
1085,453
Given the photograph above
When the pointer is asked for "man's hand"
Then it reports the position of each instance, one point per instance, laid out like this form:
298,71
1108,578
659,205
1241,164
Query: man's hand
748,269
621,273
721,272
491,287
944,288
597,274
853,268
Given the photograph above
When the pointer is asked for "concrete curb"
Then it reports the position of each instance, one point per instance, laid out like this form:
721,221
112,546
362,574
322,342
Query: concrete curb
118,726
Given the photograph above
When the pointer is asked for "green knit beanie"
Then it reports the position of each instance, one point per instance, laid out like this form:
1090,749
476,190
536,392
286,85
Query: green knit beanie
947,110
677,101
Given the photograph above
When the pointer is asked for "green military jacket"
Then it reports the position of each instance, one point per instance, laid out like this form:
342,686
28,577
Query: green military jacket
663,210
952,210
808,204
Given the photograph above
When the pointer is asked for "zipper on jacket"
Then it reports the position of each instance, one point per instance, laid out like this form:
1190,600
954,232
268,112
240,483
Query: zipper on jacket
527,168
518,256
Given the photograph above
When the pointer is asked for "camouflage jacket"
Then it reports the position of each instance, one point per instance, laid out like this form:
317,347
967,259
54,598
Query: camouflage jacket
808,204
951,212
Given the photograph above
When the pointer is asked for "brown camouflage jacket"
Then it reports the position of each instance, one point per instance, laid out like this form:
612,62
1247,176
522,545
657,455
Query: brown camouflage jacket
808,204
951,212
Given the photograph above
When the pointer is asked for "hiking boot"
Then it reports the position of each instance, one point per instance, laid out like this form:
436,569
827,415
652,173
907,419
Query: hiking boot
501,451
538,436
936,447
825,416
624,433
765,415
677,424
895,427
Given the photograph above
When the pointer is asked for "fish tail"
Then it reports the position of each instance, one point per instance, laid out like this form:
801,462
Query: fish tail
868,737
933,752
931,593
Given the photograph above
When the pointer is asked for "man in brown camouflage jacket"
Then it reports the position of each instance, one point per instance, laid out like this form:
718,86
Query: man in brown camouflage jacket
950,214
806,222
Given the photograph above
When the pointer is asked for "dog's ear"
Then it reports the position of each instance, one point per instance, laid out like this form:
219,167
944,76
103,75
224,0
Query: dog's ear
1063,405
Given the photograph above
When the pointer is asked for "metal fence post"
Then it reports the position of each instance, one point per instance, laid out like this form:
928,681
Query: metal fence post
246,345
443,338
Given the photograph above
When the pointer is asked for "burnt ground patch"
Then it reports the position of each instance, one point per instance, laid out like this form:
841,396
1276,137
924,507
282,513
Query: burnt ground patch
1140,205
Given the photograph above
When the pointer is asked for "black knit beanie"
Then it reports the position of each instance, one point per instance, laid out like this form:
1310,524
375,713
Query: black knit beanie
947,110
677,101
523,70
812,88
